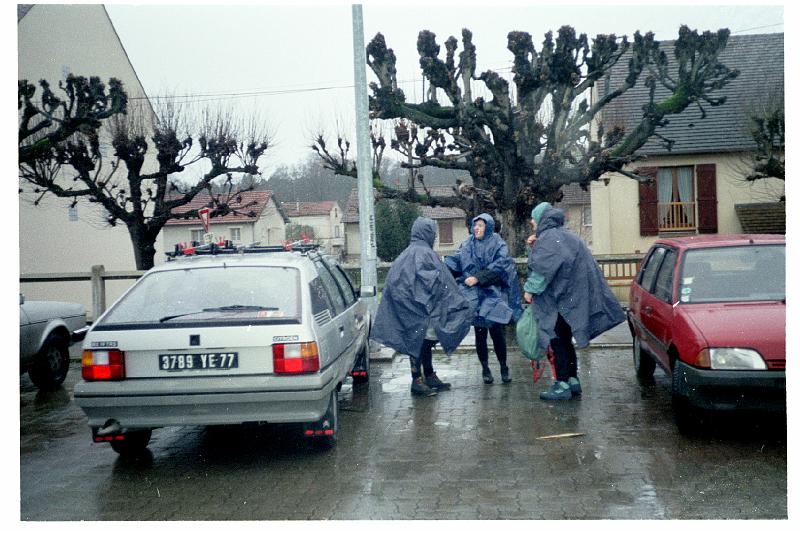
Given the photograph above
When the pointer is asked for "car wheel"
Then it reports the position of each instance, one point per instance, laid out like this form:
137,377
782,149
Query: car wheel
51,364
332,417
686,417
642,362
135,442
361,366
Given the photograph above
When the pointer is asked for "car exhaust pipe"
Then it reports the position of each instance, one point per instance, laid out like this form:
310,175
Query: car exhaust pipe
111,427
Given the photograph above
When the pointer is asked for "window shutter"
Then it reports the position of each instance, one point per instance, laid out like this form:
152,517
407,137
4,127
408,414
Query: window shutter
445,232
648,202
706,198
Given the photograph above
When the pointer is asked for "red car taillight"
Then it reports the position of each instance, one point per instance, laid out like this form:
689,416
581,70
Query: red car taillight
295,358
103,365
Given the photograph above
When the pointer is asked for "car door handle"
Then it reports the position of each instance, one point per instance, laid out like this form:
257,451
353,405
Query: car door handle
341,331
647,310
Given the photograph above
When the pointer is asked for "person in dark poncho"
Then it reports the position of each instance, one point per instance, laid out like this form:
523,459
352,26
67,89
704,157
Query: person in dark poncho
490,284
570,296
420,305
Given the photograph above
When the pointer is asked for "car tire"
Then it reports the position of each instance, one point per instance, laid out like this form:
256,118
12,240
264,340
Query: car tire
135,442
686,418
644,364
332,414
362,365
51,364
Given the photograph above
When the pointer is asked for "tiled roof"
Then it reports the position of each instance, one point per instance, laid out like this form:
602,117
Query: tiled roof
436,213
759,59
762,218
440,213
304,209
574,195
204,200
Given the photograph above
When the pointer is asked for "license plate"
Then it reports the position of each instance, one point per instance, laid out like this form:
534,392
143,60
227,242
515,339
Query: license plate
198,361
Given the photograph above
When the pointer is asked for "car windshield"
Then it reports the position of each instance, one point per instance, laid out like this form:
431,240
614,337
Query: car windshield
210,294
733,274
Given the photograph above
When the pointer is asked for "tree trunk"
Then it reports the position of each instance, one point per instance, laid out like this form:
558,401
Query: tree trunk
144,247
514,231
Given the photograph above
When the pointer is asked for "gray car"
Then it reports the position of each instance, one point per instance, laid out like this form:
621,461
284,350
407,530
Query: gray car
46,330
232,336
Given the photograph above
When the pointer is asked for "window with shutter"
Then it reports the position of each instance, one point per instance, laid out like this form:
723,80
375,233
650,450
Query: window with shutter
676,199
445,232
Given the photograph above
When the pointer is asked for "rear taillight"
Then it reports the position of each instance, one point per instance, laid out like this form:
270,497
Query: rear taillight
295,358
103,365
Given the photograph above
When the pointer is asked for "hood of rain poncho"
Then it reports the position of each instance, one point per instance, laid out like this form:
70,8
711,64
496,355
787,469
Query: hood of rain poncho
419,292
575,288
536,212
494,304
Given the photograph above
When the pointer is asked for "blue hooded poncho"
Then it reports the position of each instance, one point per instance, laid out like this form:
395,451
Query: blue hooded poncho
575,286
498,303
419,291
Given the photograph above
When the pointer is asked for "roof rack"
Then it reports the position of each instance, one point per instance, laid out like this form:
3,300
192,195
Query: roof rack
227,247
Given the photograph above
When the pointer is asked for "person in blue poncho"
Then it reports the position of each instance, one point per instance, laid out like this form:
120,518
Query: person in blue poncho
489,281
569,294
420,305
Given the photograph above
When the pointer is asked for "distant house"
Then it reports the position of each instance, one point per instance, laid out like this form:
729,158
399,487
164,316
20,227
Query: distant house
698,184
450,221
54,40
262,222
577,206
324,220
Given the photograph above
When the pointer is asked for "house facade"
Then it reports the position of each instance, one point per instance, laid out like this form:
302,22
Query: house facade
577,206
451,229
54,40
324,219
698,186
255,218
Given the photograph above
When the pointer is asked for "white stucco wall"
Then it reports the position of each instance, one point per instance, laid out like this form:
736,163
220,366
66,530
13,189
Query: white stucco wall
615,207
270,228
54,40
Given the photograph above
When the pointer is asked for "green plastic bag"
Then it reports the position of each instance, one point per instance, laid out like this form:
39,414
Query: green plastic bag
528,335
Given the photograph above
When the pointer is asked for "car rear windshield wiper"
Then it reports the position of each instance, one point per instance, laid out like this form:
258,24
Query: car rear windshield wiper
170,317
221,308
241,308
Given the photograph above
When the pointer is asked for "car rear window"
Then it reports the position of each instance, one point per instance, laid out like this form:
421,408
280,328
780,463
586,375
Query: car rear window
734,273
213,294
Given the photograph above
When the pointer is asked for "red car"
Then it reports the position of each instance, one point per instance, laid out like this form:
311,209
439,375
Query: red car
711,311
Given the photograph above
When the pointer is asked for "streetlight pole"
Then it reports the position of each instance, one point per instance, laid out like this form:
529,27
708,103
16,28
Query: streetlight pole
366,212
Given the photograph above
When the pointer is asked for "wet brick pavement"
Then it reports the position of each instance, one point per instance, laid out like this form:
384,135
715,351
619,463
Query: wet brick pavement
469,453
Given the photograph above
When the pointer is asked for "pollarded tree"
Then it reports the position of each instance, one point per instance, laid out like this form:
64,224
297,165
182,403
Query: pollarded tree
767,126
61,153
520,146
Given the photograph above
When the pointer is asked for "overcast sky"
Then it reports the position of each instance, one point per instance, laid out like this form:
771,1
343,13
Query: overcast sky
299,62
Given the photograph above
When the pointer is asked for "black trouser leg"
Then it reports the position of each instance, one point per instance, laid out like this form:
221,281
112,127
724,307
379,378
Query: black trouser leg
480,345
497,331
566,359
424,361
426,357
415,373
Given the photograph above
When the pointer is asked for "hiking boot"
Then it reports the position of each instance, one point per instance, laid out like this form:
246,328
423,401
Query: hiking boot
419,388
559,391
487,376
574,386
435,383
504,375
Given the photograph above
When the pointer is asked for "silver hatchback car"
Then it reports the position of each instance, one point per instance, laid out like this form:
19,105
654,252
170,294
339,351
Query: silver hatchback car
230,336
